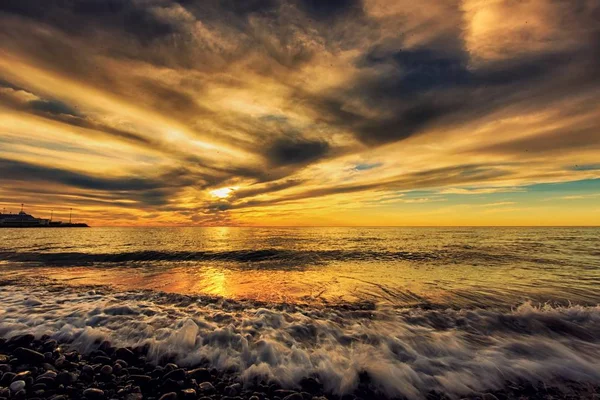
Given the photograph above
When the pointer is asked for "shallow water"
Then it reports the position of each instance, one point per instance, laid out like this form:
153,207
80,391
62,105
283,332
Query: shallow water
448,267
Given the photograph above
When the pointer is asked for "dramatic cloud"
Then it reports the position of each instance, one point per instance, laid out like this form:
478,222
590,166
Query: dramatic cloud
298,111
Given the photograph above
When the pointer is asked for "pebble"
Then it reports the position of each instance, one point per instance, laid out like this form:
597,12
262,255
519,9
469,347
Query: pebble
29,356
106,370
65,378
17,386
206,388
176,374
169,396
188,394
125,354
140,379
7,378
233,390
93,394
200,375
101,360
48,374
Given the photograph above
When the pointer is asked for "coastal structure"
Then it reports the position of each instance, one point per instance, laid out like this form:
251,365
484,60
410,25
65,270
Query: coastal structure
24,220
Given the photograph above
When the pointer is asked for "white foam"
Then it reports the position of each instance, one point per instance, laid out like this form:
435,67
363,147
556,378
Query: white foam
405,352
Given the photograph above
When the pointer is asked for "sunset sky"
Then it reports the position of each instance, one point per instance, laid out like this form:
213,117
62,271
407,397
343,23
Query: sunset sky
301,112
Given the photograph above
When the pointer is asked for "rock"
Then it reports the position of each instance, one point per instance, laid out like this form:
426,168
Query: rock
170,367
93,394
49,367
200,375
176,374
7,378
488,396
254,398
104,360
294,396
73,356
38,386
22,376
46,381
188,394
17,386
134,396
140,379
5,368
125,354
206,388
21,340
169,385
283,393
4,359
233,390
48,374
50,345
29,356
65,378
135,371
169,396
310,385
106,370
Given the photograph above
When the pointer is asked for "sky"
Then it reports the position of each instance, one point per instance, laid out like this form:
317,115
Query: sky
301,112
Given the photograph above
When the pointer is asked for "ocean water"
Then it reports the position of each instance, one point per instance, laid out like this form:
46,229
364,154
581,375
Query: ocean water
458,310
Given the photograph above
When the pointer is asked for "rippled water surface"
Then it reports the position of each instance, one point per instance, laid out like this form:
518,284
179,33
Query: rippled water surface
454,267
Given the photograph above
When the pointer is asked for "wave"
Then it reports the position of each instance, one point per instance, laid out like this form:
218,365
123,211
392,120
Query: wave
240,256
403,352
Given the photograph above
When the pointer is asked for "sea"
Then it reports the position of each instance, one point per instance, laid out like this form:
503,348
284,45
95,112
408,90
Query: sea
455,310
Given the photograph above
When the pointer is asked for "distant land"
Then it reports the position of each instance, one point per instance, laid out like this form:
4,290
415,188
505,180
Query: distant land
24,220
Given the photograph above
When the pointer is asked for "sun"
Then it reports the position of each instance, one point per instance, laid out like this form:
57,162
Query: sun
223,193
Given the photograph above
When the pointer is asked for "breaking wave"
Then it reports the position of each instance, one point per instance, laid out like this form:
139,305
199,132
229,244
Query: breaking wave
404,352
263,255
269,255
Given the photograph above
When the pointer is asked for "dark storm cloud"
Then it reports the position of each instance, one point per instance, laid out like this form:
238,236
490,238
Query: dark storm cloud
416,71
53,107
127,16
21,171
149,191
330,8
425,87
295,149
7,84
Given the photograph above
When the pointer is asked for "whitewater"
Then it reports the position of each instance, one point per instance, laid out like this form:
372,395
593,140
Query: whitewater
404,352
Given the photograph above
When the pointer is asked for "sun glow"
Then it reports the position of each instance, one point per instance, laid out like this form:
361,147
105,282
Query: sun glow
223,193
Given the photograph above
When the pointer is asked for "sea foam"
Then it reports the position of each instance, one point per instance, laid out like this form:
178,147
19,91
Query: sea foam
403,352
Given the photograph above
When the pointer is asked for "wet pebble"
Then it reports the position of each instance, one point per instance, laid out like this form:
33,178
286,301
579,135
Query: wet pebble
233,390
200,375
106,370
206,388
29,356
169,396
17,386
93,394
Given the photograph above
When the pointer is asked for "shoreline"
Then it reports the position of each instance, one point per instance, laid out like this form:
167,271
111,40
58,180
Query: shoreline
43,368
335,353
